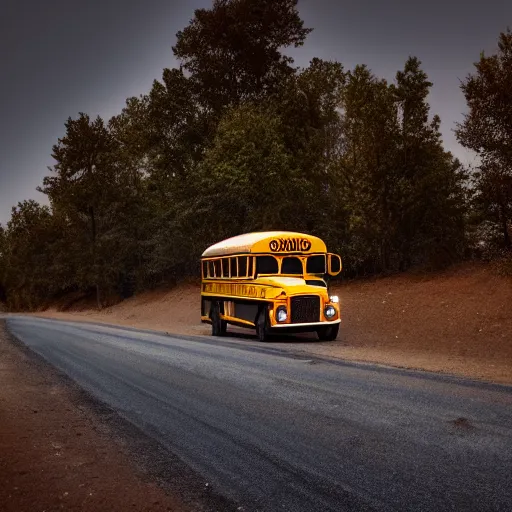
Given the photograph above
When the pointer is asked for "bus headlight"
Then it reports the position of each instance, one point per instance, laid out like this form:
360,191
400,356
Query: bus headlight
329,312
334,299
281,314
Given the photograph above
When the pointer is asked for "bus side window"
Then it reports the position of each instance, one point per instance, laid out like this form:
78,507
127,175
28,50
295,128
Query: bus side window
234,268
205,269
292,265
225,267
211,271
250,269
242,266
218,269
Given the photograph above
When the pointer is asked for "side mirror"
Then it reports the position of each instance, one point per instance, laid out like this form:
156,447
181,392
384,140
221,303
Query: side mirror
334,265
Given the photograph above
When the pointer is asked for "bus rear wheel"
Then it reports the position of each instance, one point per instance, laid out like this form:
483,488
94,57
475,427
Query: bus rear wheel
328,333
219,326
262,325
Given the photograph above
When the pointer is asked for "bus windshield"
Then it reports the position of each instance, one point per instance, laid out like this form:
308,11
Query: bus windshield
266,265
290,265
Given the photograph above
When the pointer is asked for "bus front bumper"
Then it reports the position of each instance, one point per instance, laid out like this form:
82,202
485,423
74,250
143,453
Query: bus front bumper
306,327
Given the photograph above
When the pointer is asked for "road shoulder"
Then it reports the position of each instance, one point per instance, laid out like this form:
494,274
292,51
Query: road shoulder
60,450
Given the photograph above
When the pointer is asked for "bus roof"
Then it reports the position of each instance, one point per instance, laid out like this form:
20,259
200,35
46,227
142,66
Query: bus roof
276,242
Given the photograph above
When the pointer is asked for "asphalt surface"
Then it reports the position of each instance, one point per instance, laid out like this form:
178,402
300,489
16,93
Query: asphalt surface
276,431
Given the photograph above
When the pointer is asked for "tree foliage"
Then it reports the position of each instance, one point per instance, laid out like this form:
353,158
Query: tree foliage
237,139
249,173
487,129
233,51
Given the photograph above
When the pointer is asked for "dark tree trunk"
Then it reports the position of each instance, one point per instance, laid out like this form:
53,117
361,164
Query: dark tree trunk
93,229
504,226
98,297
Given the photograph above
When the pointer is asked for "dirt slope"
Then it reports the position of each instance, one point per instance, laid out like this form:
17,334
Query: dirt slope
458,321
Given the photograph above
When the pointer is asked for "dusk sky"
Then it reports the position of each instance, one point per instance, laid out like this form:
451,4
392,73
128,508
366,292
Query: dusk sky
61,57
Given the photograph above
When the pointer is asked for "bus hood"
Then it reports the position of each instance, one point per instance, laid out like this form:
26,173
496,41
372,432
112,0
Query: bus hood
294,284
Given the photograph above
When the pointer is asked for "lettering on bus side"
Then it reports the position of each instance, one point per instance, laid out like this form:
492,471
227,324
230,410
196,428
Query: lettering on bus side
240,290
289,245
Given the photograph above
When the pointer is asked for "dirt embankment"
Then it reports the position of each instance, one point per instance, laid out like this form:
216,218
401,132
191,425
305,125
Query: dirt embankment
458,321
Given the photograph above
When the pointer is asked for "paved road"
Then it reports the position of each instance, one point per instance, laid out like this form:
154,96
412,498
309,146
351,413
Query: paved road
276,431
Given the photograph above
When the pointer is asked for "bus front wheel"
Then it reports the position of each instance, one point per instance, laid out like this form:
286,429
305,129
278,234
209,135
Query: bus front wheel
328,333
262,325
219,326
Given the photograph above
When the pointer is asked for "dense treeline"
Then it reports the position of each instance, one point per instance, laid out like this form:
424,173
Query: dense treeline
238,139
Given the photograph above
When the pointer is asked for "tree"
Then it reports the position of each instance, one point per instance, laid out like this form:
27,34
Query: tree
3,263
492,200
393,181
365,171
487,129
84,190
26,253
176,131
430,195
133,211
307,105
233,50
247,176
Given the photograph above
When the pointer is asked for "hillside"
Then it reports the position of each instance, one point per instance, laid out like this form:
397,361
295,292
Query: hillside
458,321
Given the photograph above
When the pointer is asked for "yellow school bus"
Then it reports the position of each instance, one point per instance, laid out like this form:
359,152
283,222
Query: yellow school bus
271,281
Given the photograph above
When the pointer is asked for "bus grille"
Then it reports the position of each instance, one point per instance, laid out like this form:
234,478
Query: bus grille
305,309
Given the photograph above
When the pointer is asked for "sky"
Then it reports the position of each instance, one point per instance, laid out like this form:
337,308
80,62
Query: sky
62,57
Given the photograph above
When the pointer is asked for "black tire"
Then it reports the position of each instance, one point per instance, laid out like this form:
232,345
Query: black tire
219,326
328,333
262,325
